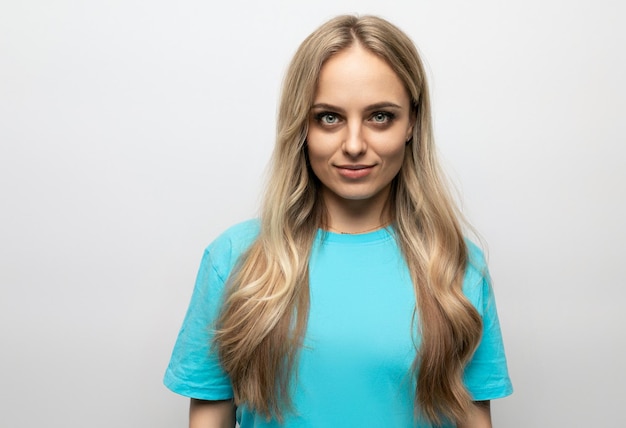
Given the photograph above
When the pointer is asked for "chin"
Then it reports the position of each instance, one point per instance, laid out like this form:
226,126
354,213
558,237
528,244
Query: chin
357,196
356,193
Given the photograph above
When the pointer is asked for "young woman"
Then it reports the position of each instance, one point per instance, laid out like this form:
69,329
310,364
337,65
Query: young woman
355,300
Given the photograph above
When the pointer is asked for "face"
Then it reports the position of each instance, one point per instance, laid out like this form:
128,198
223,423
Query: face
359,124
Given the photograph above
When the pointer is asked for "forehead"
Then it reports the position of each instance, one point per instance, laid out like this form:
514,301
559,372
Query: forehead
356,75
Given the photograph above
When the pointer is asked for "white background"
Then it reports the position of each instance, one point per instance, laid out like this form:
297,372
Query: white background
133,132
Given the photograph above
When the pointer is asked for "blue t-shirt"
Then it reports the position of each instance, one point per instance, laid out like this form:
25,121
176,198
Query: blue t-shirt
354,367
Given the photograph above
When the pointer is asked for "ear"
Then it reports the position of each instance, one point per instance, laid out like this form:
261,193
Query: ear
412,121
409,131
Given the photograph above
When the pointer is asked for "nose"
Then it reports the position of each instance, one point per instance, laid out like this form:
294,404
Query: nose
354,143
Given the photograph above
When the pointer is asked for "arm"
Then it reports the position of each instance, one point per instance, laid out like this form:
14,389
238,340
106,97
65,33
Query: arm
479,416
211,414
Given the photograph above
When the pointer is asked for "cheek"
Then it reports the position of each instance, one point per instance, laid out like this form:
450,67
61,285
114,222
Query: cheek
393,158
317,158
320,147
397,158
389,147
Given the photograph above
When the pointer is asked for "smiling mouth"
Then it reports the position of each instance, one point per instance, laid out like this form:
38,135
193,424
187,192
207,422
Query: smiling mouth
354,172
354,167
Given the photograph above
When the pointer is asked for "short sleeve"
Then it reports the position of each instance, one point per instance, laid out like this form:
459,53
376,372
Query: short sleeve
486,375
194,369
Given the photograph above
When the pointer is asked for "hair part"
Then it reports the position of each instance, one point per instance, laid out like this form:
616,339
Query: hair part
263,320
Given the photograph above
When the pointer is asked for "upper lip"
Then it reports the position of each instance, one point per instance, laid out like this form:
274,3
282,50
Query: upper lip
354,166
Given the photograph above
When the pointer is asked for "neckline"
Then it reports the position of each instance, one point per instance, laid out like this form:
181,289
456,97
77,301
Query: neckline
382,234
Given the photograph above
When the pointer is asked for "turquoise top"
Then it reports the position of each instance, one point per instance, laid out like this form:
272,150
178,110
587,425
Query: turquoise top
354,368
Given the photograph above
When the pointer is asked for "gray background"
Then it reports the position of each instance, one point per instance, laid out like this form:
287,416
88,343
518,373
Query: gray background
133,132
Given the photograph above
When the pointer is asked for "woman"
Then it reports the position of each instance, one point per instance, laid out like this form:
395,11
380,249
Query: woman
355,300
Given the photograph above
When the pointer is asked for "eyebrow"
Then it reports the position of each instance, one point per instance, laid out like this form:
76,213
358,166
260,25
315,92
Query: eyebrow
376,106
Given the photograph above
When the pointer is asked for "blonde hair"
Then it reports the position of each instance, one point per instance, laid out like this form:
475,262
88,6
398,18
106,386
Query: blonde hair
263,319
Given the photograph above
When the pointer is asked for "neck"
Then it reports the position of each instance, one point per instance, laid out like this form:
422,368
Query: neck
356,216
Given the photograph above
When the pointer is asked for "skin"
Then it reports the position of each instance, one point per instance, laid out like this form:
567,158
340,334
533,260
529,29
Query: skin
211,414
359,125
479,416
360,120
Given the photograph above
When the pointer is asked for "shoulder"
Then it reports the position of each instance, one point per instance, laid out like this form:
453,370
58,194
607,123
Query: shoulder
236,238
226,249
476,282
475,257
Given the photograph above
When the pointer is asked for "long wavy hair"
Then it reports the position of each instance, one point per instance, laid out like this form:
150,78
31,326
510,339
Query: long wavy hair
264,315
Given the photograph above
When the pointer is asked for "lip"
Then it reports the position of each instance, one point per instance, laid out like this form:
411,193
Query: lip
354,171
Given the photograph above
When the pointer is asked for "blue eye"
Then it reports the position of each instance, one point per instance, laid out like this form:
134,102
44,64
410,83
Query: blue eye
382,117
327,118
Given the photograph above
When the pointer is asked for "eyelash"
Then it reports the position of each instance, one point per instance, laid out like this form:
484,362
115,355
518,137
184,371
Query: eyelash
388,117
319,117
